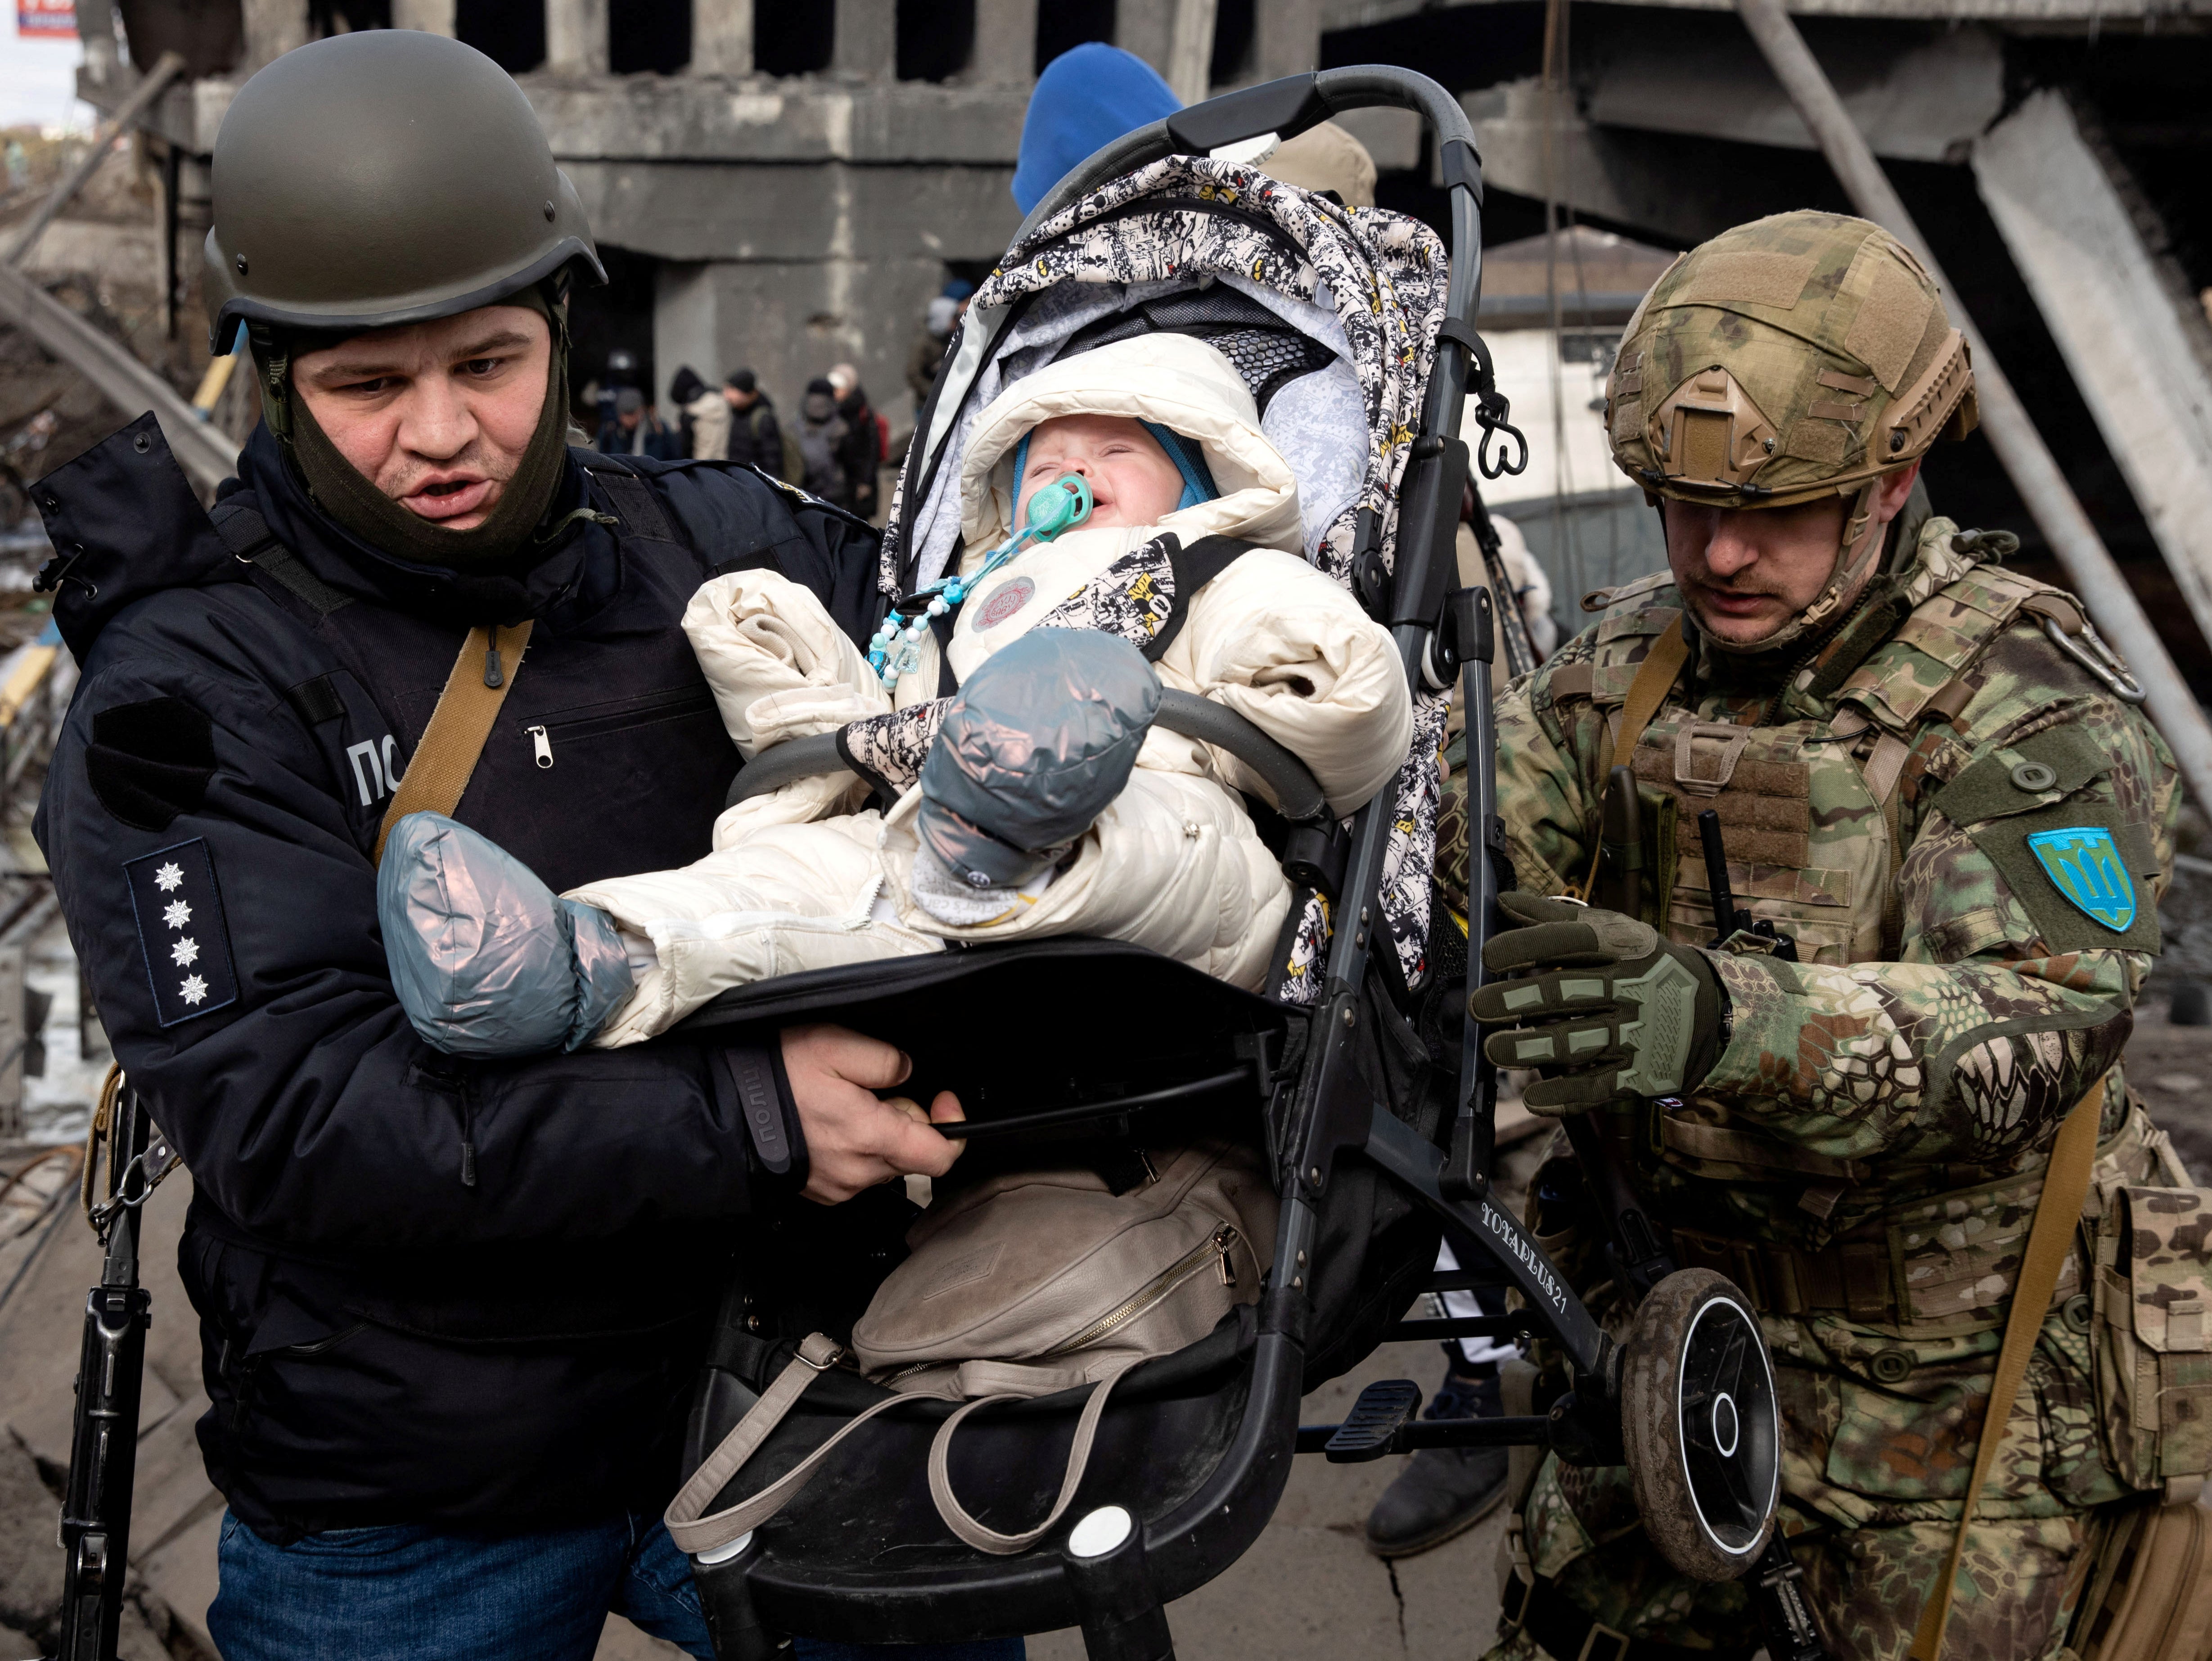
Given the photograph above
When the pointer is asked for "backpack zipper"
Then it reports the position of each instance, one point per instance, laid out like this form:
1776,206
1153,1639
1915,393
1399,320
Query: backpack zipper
1215,1247
540,745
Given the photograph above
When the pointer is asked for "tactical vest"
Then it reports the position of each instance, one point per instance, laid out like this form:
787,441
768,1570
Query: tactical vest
1818,801
1814,807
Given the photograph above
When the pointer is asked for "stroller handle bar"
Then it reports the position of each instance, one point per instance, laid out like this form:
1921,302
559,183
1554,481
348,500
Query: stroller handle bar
1285,107
1290,106
1298,793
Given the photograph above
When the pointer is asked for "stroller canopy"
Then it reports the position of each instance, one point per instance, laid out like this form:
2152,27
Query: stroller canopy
1330,313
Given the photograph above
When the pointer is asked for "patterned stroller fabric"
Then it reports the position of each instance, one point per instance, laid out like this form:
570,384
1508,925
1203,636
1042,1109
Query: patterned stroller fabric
1330,314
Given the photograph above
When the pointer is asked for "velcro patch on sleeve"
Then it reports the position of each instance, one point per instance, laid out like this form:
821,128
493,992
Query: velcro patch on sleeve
2078,871
150,762
2014,778
182,931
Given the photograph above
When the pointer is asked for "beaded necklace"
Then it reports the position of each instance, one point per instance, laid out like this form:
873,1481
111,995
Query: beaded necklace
1060,506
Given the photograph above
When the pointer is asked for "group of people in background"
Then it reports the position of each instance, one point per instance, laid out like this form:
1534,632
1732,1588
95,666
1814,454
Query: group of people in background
939,319
834,449
835,445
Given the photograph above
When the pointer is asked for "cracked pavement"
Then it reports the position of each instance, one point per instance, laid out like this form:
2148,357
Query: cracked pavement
1310,1588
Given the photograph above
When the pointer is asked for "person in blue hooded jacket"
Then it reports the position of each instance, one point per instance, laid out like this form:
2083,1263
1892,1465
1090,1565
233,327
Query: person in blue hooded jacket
1085,99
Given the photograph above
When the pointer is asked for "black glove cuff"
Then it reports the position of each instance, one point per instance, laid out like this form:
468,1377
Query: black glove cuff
762,1089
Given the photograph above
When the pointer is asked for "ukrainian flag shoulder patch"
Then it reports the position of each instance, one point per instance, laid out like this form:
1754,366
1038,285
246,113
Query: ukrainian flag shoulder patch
2084,864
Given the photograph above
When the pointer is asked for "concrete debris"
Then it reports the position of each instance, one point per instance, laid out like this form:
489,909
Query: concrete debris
2121,315
30,1567
91,338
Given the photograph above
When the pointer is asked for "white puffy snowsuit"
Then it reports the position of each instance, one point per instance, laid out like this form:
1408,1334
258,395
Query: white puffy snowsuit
798,881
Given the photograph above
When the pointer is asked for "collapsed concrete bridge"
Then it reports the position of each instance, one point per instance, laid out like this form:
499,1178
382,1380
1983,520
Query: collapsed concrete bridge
785,185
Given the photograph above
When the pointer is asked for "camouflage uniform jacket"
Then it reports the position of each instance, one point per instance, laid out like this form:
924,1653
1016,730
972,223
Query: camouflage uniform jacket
1866,1153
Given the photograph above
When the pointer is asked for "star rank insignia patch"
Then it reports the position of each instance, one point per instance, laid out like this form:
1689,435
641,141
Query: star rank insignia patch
181,928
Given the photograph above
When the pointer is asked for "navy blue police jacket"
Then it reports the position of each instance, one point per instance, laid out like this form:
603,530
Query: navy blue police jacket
430,1290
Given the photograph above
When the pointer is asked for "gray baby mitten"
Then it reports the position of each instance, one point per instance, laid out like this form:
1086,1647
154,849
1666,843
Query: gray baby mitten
486,960
1031,750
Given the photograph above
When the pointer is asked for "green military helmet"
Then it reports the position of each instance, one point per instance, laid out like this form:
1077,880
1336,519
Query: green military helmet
382,177
1799,356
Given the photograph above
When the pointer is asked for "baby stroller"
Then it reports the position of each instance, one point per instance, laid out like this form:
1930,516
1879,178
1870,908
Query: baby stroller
1354,332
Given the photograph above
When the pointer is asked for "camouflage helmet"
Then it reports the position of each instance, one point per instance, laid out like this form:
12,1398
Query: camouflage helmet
1799,356
382,177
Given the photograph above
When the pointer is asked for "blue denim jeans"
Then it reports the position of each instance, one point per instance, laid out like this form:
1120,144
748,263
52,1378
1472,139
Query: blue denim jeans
407,1593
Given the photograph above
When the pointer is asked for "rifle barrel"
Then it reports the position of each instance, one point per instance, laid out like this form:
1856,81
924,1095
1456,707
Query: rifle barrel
95,1528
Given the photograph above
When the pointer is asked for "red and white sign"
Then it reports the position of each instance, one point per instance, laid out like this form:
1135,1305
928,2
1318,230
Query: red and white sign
51,20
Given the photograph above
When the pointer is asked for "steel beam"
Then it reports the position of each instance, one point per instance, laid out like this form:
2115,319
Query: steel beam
207,454
2117,324
2035,473
165,70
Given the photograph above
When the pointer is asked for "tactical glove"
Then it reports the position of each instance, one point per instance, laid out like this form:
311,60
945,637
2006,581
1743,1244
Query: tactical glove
1618,1009
486,960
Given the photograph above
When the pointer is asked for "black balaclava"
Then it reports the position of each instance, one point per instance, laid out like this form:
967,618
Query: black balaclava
354,502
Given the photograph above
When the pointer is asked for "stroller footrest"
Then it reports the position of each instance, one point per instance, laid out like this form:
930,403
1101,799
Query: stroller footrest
1511,1324
1381,1411
1532,1431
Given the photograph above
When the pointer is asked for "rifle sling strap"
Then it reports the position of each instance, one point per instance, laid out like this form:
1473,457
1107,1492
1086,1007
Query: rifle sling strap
2049,1237
1655,678
248,537
439,770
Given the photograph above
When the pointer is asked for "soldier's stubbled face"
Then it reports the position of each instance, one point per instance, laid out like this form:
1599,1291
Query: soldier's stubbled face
1132,480
436,414
1745,572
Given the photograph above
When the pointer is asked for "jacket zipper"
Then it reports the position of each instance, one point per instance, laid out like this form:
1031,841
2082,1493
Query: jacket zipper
468,1133
1214,1248
680,705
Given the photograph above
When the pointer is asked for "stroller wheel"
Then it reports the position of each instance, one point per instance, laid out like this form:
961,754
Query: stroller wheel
1700,1424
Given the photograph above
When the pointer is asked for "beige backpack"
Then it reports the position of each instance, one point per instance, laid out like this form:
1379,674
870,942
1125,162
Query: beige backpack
1021,1285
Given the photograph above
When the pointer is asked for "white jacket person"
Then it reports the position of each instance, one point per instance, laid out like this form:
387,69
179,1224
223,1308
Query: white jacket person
1164,431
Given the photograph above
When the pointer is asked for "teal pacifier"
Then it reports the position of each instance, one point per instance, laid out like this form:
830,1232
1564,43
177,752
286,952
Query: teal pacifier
1060,506
895,649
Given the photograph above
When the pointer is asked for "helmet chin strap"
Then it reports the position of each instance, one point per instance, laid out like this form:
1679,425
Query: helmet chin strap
1861,544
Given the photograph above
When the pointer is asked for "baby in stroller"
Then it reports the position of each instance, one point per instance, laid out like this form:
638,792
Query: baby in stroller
1038,799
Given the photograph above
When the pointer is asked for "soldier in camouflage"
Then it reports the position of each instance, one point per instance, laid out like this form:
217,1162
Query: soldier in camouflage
1932,776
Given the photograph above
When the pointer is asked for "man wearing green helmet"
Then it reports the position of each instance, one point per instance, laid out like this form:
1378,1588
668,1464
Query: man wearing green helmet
449,1310
1845,1096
